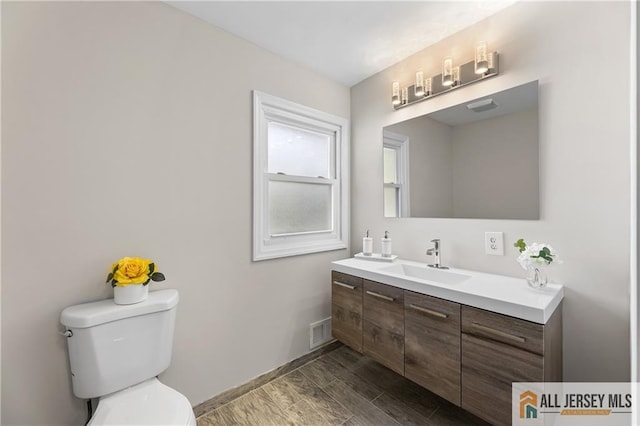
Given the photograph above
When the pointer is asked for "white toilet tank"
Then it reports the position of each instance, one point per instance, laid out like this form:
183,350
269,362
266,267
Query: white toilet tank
117,346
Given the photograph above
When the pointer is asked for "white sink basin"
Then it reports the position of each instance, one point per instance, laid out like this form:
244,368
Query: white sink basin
427,273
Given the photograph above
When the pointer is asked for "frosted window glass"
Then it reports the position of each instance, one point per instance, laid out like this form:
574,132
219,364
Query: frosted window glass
299,207
390,170
298,152
390,202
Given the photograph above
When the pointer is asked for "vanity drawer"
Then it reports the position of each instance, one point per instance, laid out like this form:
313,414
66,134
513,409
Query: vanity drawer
346,291
501,328
384,306
432,344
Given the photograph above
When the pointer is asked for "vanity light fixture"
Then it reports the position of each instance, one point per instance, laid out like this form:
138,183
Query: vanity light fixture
447,72
482,62
490,58
405,96
428,87
456,76
395,97
484,65
419,91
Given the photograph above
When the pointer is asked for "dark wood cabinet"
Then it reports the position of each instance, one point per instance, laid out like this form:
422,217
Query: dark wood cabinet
383,331
432,344
346,309
498,350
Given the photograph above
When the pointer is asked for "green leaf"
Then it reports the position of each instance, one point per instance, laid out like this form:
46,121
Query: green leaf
152,267
520,244
545,254
110,277
115,268
146,282
113,283
157,276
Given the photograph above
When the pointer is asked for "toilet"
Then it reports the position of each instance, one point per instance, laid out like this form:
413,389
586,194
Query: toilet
115,354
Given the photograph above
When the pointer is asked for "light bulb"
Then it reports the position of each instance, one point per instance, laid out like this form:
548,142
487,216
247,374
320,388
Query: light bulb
482,62
419,90
490,61
428,86
456,76
395,97
447,72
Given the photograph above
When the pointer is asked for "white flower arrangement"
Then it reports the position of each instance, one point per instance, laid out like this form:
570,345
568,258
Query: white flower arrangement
536,255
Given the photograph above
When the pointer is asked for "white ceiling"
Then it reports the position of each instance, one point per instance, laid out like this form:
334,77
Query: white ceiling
345,41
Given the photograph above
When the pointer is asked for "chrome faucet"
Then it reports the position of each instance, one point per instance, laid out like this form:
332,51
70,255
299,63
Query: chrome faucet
435,251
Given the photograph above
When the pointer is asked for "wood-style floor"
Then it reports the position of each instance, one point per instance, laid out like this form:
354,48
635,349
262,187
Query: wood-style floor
339,388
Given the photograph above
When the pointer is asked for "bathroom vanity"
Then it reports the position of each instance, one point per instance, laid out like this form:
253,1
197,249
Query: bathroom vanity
463,335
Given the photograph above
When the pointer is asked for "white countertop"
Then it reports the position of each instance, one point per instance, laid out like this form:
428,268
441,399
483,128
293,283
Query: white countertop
496,293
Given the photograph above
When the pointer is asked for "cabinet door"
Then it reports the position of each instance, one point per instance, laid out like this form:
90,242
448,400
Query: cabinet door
346,309
383,331
496,351
432,344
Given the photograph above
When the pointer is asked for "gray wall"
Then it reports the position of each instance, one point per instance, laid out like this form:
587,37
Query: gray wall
126,130
496,176
584,166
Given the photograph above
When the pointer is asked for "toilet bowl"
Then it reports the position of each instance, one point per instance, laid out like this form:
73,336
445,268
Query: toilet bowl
147,403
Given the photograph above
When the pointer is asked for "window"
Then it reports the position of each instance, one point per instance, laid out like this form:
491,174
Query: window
396,175
300,179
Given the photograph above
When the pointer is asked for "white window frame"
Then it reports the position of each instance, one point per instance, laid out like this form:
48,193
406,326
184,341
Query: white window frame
268,108
400,144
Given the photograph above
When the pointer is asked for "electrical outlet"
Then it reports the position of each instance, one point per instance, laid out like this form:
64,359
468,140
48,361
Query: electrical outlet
494,243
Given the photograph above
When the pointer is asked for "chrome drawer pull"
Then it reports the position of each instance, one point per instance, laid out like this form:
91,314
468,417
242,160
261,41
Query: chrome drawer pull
350,287
499,333
429,311
380,296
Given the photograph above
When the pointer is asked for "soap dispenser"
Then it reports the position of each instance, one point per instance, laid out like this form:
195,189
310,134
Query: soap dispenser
386,245
367,244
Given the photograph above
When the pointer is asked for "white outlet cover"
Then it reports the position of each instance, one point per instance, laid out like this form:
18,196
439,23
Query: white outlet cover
494,243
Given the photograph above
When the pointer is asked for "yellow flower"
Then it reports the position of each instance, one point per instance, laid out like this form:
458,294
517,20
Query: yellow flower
131,270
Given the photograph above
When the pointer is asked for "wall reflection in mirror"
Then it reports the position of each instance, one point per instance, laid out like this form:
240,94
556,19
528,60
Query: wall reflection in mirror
478,159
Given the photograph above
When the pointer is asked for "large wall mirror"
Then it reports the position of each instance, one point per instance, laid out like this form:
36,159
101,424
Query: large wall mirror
474,160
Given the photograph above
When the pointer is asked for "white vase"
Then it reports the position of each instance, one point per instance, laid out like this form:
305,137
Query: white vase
130,294
536,276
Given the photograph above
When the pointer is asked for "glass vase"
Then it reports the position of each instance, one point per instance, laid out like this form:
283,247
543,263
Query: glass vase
536,276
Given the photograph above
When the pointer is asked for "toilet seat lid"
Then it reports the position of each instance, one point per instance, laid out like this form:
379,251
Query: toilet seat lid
147,403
